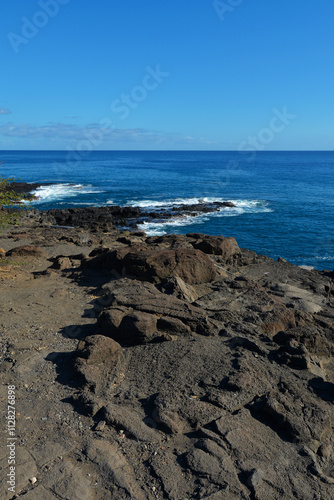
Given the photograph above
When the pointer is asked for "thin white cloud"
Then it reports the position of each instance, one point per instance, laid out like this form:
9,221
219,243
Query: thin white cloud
98,134
4,111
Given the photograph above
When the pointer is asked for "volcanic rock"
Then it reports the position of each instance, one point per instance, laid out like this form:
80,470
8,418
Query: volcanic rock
127,295
207,389
217,245
177,287
99,362
192,266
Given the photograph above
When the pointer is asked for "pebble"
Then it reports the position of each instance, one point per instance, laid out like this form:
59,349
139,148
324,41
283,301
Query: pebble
100,425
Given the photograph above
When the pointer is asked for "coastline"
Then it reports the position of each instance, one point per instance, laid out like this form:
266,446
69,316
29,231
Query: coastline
262,220
153,353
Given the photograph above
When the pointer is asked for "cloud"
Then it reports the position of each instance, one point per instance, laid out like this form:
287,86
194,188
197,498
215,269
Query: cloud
97,133
4,111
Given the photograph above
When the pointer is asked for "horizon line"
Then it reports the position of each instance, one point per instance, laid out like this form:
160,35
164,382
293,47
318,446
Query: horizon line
177,150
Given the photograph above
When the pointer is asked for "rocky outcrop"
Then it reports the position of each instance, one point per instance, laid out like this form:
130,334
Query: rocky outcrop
93,216
168,367
25,187
237,358
104,218
192,266
217,245
138,313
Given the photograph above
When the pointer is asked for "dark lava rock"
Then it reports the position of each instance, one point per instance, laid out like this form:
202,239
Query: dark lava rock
92,216
130,217
192,266
25,187
161,312
217,245
99,362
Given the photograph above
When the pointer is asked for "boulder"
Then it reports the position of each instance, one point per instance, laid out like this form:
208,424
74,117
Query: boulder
168,241
137,328
154,265
61,263
26,251
177,287
192,266
217,245
99,362
96,349
310,336
127,296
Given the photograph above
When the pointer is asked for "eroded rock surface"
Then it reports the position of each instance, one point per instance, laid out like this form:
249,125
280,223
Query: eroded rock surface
165,368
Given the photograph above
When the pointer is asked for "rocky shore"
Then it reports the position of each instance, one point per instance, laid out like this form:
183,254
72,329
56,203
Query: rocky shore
162,367
103,218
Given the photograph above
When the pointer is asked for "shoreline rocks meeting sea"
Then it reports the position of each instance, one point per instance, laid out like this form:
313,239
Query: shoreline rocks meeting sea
161,367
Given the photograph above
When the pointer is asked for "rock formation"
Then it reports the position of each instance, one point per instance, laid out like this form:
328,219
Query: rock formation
195,369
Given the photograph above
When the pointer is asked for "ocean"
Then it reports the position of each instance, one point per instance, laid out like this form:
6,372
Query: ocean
284,200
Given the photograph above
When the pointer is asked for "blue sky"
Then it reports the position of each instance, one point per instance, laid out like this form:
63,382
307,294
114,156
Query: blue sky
205,74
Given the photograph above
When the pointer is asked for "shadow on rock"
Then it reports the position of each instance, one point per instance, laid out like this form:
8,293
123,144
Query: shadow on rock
325,390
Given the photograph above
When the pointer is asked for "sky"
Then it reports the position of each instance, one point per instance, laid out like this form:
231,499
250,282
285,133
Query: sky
167,75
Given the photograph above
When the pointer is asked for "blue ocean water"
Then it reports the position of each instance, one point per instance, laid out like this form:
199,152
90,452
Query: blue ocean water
284,200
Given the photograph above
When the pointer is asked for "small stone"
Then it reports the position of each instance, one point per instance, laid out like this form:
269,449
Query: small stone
33,480
61,263
325,451
100,425
255,478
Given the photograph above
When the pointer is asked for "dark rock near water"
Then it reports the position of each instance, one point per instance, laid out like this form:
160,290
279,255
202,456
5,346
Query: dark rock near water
217,245
93,217
192,266
104,218
24,191
25,187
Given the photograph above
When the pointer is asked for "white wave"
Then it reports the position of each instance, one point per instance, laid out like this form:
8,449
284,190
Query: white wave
241,206
244,207
170,203
157,228
260,205
57,192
